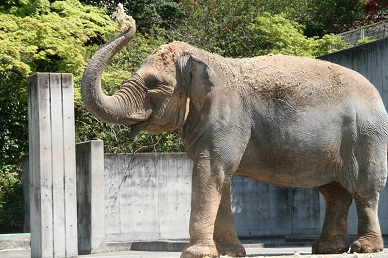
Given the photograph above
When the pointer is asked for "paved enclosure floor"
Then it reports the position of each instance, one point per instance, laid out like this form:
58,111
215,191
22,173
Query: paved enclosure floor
262,252
17,246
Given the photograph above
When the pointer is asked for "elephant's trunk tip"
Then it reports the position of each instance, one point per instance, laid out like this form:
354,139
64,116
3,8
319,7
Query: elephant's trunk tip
125,21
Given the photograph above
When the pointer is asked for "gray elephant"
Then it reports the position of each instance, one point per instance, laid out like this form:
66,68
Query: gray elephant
288,121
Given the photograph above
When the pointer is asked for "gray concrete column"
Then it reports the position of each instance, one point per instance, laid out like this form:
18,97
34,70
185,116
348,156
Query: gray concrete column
91,197
53,209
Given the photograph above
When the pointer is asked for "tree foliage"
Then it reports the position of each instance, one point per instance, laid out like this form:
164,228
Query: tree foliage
52,39
147,13
331,16
36,35
374,9
13,143
239,29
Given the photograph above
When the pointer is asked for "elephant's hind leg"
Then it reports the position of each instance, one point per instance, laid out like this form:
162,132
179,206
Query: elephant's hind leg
334,235
225,234
369,239
371,180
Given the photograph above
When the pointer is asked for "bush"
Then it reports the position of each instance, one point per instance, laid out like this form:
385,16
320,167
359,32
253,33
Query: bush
238,29
147,13
13,144
36,36
11,199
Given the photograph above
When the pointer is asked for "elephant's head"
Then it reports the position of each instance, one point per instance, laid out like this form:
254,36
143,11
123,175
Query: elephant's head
156,98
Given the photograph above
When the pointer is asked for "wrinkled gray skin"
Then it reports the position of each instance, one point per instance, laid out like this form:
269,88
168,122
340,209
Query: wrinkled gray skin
287,121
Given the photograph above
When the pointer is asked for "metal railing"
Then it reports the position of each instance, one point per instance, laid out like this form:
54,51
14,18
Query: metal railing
368,33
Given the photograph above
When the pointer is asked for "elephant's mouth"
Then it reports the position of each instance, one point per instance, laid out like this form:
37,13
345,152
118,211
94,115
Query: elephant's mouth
149,125
136,128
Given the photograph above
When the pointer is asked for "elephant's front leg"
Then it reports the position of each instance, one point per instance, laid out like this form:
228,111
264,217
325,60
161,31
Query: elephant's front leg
225,234
205,199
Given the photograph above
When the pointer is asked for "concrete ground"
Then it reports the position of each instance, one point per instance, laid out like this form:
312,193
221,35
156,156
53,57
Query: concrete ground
289,246
274,252
17,246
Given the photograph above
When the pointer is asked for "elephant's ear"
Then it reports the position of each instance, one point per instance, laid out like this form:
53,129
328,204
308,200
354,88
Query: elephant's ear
194,76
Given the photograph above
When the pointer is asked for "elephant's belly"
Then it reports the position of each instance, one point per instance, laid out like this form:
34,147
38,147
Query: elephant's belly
284,179
290,168
287,178
300,150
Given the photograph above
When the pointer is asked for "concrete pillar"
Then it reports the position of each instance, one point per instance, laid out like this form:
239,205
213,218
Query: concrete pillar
91,197
53,208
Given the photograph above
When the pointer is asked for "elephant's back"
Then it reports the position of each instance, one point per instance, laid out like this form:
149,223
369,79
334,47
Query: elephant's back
299,81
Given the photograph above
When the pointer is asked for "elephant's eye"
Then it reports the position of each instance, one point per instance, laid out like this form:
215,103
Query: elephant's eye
153,80
153,85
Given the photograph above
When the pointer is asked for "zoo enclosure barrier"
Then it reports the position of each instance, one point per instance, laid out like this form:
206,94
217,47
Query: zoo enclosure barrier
371,32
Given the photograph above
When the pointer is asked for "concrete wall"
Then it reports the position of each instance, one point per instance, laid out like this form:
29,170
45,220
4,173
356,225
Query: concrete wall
371,60
263,210
147,197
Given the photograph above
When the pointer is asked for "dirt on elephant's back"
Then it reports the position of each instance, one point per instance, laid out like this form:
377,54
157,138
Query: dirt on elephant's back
168,54
295,80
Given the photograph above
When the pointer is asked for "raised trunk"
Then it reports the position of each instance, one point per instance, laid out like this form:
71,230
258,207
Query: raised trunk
127,106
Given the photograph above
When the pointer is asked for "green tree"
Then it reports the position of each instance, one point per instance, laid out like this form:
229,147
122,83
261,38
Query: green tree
51,41
36,35
332,16
147,13
317,17
13,143
240,29
282,36
374,9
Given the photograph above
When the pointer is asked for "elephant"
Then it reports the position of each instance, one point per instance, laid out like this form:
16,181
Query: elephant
284,120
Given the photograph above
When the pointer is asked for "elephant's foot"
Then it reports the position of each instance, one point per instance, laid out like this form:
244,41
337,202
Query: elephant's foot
371,243
333,245
199,250
231,248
